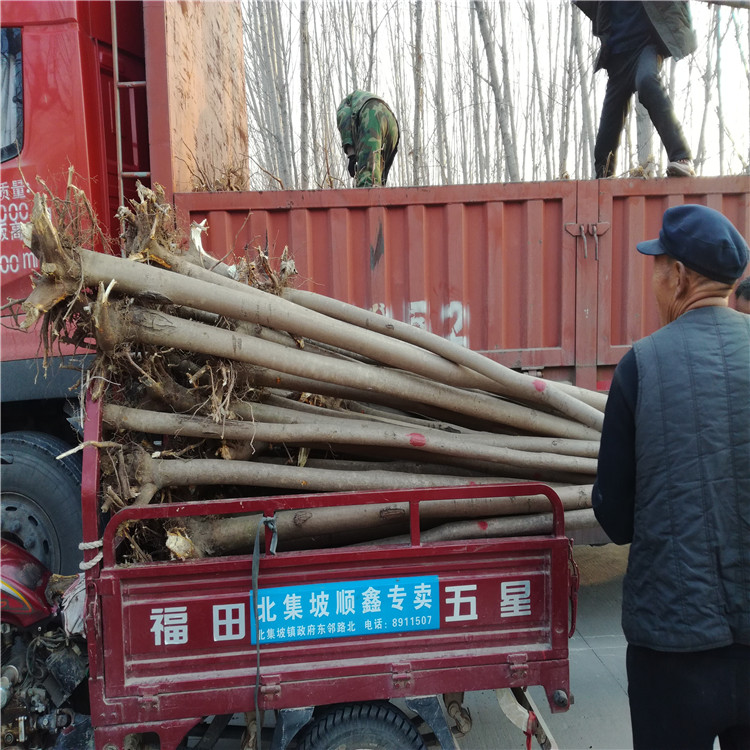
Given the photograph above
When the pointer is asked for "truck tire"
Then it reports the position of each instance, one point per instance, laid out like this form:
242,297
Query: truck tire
363,726
41,498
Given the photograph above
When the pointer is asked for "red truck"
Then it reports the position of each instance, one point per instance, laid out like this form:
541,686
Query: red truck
120,92
102,86
539,276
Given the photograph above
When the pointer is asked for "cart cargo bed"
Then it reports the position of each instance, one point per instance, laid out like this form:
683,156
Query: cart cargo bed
177,641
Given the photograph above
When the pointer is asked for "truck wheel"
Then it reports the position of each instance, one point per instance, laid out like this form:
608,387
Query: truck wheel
363,726
41,498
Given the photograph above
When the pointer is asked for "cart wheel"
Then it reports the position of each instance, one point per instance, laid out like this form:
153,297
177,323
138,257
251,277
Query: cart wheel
41,498
363,726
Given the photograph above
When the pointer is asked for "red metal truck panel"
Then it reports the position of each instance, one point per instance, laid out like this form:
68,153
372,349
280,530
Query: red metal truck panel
540,276
50,101
478,615
487,266
187,627
634,209
68,121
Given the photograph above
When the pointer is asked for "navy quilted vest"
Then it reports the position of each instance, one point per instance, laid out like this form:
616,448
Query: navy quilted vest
687,586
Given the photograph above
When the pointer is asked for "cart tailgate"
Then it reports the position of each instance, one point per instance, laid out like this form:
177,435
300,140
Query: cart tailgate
356,623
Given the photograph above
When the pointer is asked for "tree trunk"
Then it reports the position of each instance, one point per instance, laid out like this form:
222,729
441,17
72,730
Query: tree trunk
566,110
503,115
644,138
478,111
418,67
719,98
539,92
508,95
709,82
463,145
440,114
587,134
304,75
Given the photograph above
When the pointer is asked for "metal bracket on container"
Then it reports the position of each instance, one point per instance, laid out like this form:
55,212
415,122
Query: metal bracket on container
401,674
578,230
597,230
519,666
581,230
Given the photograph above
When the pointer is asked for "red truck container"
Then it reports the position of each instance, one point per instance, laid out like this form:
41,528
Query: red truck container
542,277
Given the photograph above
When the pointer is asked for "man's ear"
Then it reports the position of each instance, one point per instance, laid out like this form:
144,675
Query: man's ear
682,280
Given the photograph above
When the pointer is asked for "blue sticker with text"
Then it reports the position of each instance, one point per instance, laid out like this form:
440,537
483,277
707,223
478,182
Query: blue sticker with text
345,609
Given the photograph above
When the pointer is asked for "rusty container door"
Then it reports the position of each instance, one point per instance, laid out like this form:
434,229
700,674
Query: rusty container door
630,211
488,266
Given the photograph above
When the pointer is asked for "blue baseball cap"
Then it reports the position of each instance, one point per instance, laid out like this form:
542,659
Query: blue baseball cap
703,239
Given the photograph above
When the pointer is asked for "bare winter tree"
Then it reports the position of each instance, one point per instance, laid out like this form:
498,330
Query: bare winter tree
479,119
538,91
744,55
483,91
304,55
587,133
444,161
267,76
567,89
503,116
719,99
417,55
708,86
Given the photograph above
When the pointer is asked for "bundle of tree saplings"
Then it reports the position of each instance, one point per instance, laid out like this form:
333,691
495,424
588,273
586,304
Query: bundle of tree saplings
224,381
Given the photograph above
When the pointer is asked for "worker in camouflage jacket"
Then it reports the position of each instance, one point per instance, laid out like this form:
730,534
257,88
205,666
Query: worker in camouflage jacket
369,136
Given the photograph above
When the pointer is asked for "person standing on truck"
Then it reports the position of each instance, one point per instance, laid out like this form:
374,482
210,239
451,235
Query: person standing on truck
742,296
369,136
673,481
635,38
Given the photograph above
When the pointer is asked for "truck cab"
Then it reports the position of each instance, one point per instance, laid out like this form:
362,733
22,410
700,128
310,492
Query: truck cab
100,95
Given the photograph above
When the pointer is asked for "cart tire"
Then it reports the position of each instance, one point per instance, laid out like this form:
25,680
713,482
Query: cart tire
41,498
363,726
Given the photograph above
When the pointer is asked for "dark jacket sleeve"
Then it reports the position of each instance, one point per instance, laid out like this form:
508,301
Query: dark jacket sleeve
613,496
599,13
589,7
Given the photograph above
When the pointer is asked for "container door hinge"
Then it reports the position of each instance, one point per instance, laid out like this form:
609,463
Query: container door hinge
270,686
401,674
149,702
519,666
596,231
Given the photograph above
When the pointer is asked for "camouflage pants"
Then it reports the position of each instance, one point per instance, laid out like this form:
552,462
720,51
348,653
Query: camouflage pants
376,144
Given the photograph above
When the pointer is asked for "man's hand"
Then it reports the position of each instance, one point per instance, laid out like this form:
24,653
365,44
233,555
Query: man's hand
352,164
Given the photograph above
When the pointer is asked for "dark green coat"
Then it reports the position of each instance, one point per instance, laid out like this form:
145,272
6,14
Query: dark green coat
671,20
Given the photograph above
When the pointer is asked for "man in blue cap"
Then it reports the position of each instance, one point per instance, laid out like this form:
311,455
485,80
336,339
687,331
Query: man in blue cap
673,480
